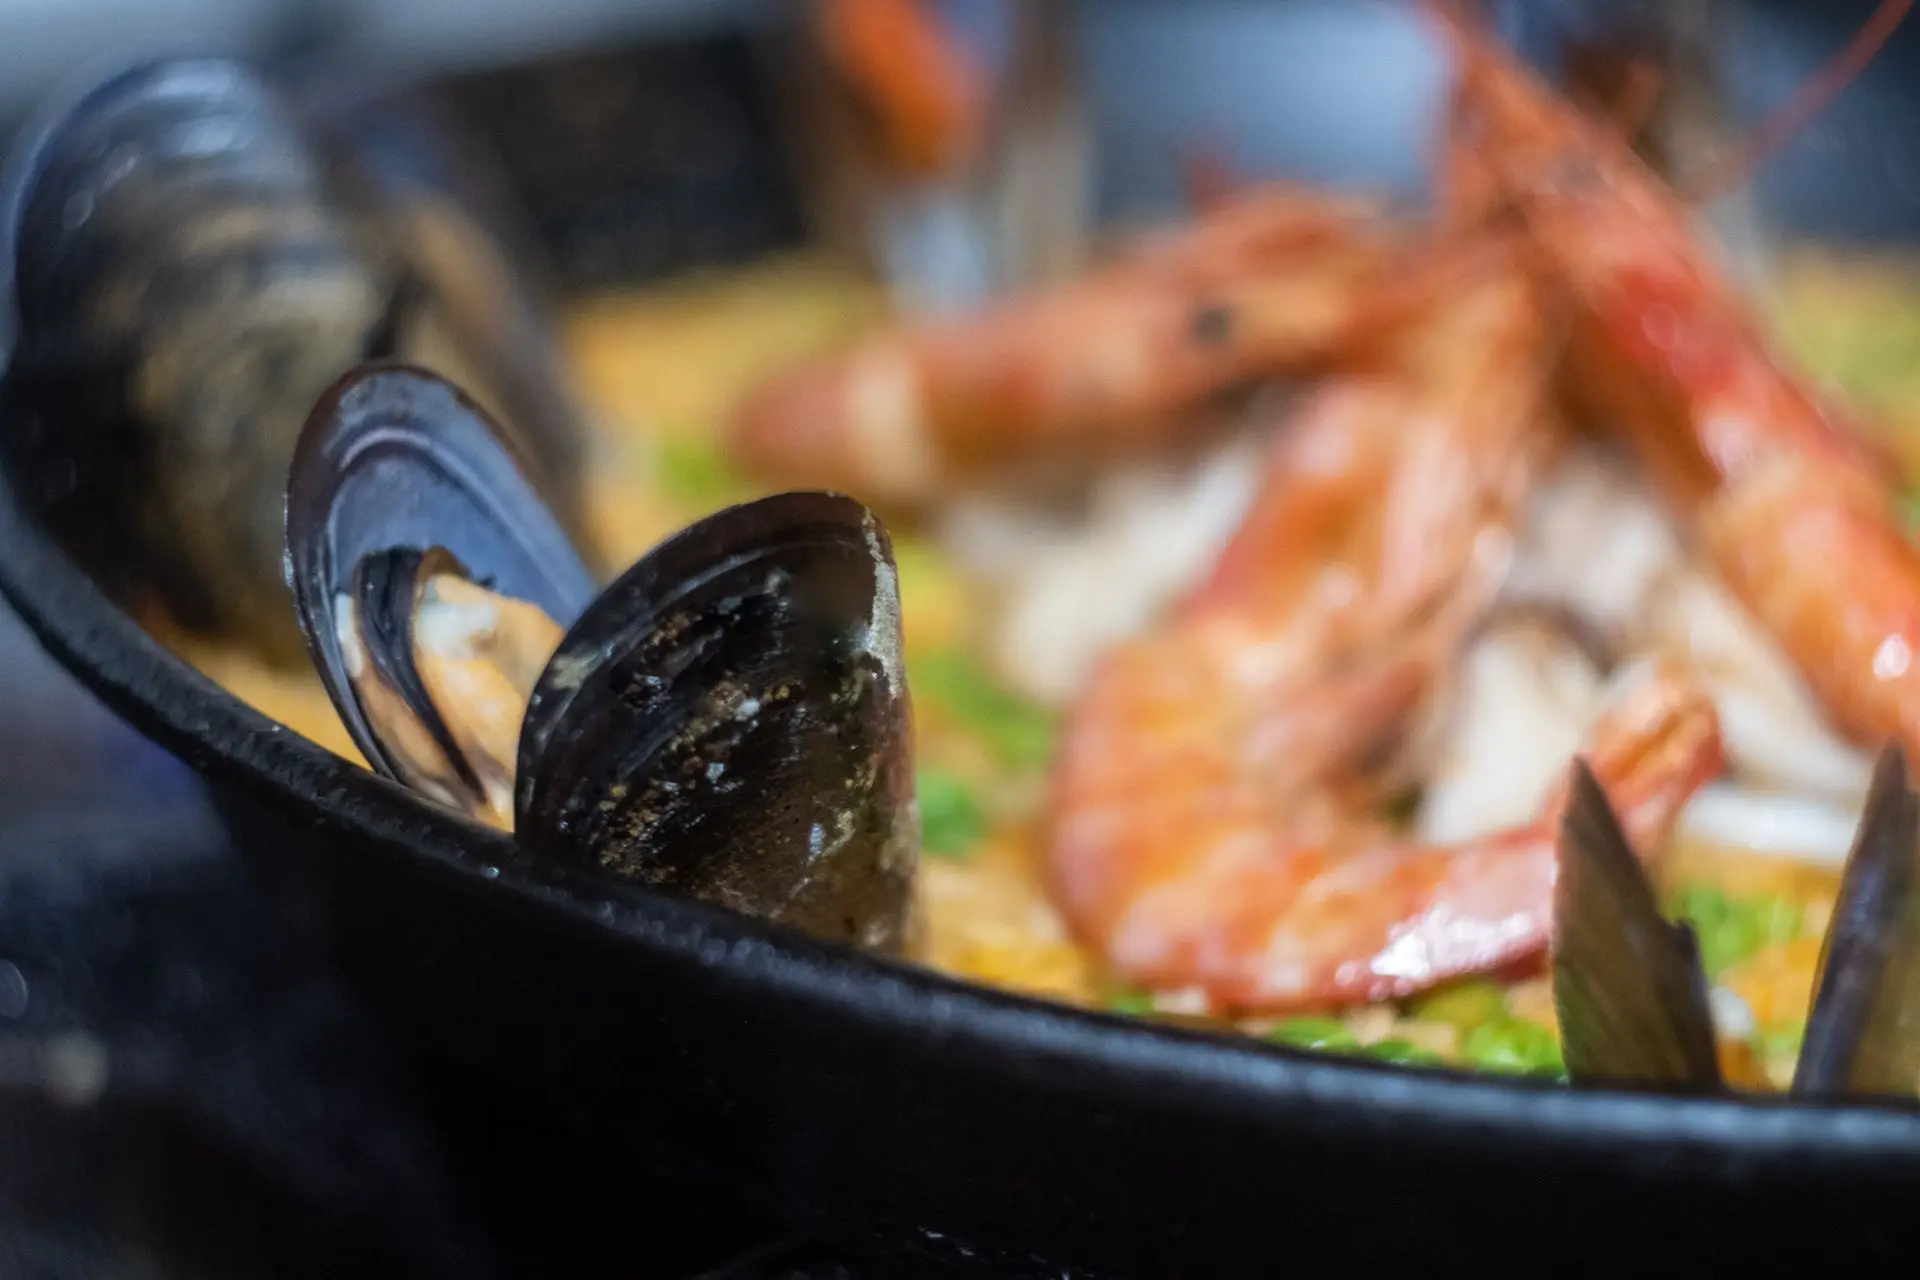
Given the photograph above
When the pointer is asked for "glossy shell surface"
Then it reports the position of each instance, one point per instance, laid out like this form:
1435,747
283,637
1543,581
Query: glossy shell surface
396,459
729,721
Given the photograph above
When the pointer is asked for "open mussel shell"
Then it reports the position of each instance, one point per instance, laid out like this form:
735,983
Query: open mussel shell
1631,995
1628,987
1863,1031
189,272
730,721
395,471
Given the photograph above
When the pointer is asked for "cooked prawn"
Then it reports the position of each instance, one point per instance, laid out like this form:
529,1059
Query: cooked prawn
1791,501
1174,858
1270,283
1204,834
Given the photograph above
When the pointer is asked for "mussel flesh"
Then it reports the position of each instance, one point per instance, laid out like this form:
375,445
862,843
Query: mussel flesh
1631,993
398,464
188,275
727,721
418,635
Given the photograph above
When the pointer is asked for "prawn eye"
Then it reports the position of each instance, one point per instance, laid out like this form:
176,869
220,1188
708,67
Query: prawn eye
1212,324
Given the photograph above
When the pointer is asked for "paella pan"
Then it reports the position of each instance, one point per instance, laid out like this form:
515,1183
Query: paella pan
1255,592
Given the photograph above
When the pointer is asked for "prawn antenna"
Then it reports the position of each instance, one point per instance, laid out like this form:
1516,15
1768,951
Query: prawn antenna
1808,101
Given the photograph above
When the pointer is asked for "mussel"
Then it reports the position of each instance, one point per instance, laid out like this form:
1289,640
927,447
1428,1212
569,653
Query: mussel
1631,993
189,271
727,720
442,201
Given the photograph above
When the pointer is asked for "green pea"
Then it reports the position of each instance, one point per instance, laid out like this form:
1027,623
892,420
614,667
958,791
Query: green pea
1779,1041
1023,738
1464,1005
1404,1052
951,821
1703,904
696,472
1137,1003
1910,513
1513,1045
1731,930
1736,938
1779,919
1315,1033
1020,733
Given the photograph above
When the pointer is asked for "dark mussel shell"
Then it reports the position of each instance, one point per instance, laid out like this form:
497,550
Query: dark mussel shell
1629,990
1631,994
395,463
1863,1031
187,278
730,721
183,290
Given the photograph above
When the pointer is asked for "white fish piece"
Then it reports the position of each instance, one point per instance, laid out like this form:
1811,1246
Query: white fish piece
1732,1017
993,531
1525,696
1595,542
1770,823
1071,591
1775,734
1598,543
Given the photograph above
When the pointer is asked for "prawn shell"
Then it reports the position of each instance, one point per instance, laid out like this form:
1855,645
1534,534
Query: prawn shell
1863,1030
395,459
729,721
1628,987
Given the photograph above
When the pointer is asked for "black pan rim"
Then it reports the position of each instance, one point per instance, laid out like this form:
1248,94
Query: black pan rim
1225,1077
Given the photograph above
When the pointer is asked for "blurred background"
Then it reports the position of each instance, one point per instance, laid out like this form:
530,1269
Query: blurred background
1327,89
644,138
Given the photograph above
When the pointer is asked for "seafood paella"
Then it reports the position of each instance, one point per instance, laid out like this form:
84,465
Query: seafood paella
1258,587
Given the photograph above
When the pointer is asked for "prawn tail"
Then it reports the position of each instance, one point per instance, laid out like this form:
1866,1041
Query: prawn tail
1654,747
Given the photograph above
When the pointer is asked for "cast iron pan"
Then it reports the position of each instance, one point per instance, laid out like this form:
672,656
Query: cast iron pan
879,1097
182,1092
708,1046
